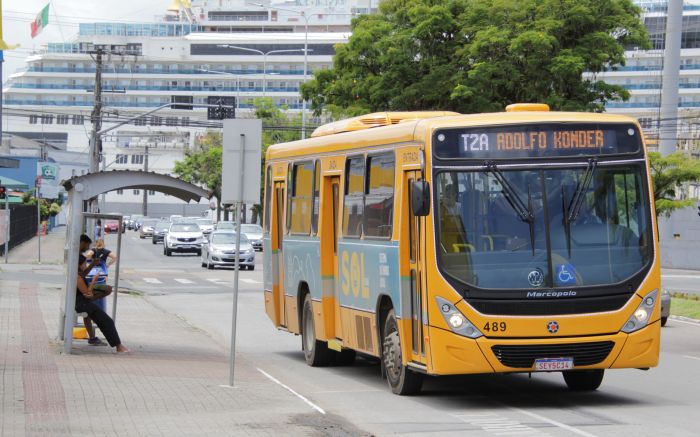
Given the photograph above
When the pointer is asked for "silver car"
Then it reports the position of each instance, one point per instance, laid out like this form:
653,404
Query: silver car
254,234
665,306
205,225
146,229
220,250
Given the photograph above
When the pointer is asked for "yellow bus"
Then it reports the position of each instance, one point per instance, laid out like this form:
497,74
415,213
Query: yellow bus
443,244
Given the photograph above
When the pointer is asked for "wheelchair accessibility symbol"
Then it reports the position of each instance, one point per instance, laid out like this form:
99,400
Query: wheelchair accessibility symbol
565,274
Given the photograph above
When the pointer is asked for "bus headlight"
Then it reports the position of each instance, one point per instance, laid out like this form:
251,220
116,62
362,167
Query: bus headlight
642,314
457,322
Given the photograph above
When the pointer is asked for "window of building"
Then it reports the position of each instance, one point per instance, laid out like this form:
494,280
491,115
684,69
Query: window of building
62,119
353,203
379,200
120,192
301,194
122,159
141,121
171,121
33,119
47,119
137,192
137,159
78,119
151,192
156,121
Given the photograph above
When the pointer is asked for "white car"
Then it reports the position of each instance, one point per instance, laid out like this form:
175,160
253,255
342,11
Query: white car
205,225
254,234
183,237
220,250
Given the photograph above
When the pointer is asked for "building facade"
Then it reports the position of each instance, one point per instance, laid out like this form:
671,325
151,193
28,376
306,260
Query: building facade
197,51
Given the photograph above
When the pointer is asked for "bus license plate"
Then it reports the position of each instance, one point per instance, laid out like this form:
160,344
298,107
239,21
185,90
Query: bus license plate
553,364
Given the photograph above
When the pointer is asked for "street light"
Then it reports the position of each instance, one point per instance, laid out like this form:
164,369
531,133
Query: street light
264,55
306,17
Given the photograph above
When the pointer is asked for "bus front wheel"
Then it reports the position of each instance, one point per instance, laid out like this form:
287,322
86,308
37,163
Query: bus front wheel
402,380
583,380
316,352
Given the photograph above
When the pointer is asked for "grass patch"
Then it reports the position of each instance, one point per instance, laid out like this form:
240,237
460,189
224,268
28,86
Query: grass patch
686,305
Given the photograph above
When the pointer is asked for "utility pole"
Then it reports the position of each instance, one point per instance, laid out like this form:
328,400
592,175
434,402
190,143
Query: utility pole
95,138
144,205
668,128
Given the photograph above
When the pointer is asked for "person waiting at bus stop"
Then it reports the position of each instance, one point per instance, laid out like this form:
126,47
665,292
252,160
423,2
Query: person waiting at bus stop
84,304
97,257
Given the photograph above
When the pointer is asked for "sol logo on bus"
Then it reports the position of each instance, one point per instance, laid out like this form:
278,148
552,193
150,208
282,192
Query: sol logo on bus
353,274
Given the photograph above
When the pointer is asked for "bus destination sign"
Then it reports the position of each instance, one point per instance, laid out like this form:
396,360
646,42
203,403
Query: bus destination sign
536,141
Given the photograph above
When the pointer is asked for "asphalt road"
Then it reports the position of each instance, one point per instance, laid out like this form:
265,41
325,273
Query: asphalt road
661,401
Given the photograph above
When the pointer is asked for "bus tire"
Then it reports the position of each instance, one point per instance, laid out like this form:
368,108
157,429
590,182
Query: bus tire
402,380
583,380
316,352
663,321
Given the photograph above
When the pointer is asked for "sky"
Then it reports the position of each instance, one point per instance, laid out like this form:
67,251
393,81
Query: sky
64,17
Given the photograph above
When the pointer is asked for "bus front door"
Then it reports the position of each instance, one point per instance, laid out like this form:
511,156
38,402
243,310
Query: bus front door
277,255
412,268
329,254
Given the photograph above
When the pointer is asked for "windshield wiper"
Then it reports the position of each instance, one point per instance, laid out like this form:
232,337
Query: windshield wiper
571,212
523,211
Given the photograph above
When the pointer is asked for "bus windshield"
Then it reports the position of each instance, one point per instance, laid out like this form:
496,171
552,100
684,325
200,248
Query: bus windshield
574,227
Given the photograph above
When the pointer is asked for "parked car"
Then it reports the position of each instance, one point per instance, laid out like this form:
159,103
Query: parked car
220,250
254,233
146,229
220,226
665,306
160,231
111,226
205,225
183,237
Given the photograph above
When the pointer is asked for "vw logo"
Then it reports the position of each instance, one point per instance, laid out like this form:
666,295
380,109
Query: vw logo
535,278
552,327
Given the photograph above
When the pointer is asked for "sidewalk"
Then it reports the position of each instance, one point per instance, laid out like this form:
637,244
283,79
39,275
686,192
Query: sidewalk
169,385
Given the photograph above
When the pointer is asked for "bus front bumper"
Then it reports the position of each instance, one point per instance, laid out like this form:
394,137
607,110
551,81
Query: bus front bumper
453,354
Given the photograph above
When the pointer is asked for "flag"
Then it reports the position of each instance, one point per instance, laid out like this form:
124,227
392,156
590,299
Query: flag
40,21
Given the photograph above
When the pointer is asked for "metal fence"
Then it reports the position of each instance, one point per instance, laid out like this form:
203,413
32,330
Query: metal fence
23,225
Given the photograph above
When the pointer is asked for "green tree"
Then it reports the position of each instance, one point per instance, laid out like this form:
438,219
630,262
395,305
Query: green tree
669,173
479,56
203,165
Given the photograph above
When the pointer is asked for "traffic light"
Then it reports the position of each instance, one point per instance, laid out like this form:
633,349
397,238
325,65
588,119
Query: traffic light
3,192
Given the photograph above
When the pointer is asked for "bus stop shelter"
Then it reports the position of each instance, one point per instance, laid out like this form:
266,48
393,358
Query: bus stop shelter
86,187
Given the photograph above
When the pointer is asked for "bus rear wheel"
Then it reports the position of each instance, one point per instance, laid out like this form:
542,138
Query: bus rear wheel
583,380
316,352
402,380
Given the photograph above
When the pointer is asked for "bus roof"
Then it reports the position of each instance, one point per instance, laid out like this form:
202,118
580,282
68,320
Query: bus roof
414,129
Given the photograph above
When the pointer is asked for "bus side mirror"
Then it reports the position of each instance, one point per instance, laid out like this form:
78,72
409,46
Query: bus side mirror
420,198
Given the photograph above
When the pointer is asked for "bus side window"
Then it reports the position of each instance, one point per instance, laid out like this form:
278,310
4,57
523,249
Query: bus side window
379,200
300,205
268,195
353,202
317,191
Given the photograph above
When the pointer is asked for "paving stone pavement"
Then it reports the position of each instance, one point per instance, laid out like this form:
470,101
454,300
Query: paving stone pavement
169,385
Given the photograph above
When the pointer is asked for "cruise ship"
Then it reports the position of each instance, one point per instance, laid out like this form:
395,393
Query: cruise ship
197,50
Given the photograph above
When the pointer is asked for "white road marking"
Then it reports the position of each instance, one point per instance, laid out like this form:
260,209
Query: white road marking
152,280
215,280
554,422
684,321
276,381
500,425
250,281
184,281
691,357
681,276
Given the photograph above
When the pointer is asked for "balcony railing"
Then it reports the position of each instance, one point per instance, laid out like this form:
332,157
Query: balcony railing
118,104
199,72
107,88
